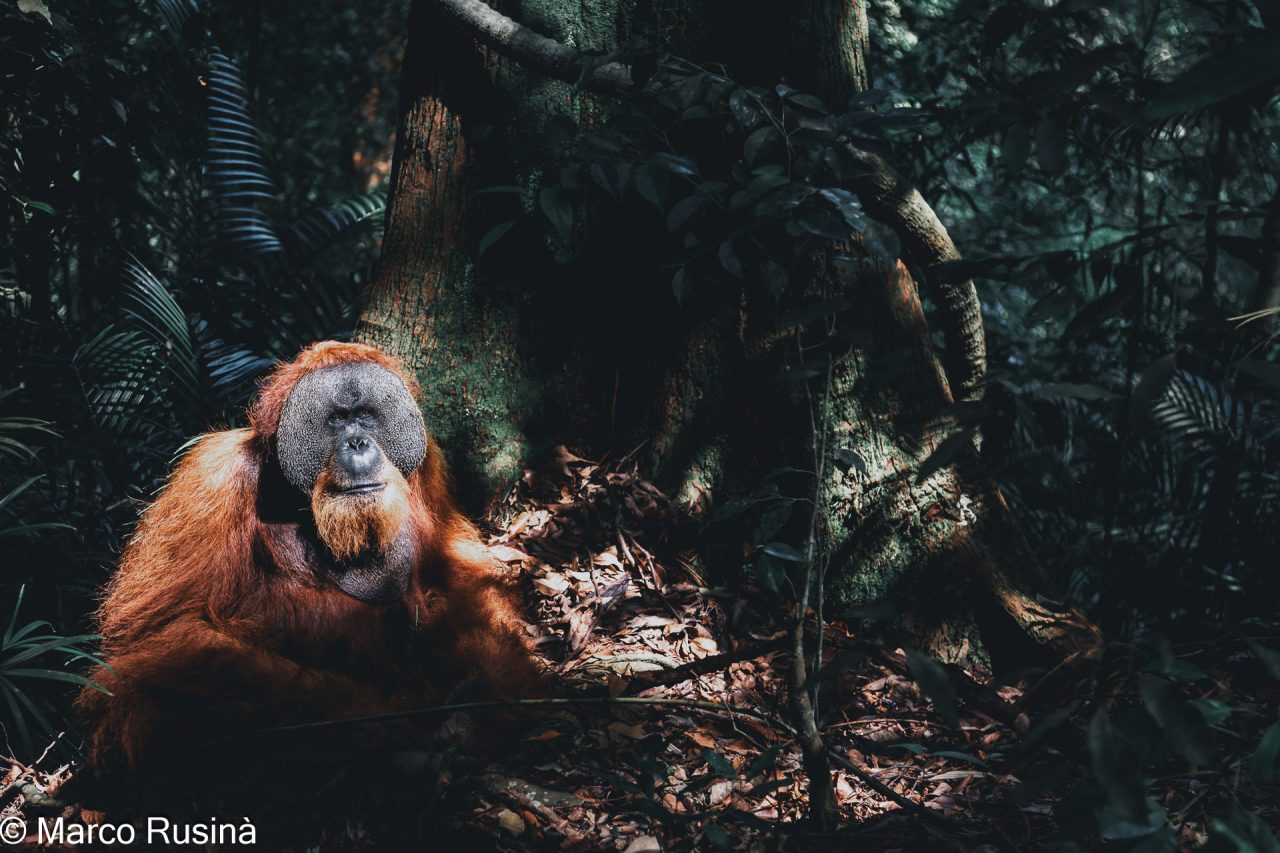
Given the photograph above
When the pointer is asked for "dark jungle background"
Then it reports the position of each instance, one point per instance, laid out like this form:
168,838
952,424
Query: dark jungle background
191,190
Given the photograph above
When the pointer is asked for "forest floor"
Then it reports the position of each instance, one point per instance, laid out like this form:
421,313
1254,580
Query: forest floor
675,733
969,766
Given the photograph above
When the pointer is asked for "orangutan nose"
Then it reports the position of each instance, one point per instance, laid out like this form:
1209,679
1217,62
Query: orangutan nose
358,455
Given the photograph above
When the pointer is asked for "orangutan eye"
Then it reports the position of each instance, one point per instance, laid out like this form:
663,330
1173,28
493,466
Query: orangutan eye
365,417
336,419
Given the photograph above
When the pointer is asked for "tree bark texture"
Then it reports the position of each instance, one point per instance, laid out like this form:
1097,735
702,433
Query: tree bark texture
946,550
493,341
546,340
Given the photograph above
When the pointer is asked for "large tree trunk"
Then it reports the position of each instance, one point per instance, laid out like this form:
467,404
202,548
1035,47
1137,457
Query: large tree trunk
545,340
502,343
425,304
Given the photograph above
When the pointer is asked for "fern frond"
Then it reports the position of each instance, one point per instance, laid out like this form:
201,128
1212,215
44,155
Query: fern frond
318,228
236,164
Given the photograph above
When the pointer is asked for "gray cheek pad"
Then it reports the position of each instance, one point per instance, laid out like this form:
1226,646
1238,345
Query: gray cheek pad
304,442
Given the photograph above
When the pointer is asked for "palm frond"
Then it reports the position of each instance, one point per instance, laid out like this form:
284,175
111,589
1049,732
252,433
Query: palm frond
148,303
314,308
236,164
20,648
233,369
1194,408
13,447
176,13
318,228
122,382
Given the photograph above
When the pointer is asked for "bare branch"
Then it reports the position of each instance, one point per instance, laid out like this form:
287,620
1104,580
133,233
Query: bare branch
890,198
534,50
715,663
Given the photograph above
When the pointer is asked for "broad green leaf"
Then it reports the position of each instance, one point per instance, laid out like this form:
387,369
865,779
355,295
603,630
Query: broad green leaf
767,787
729,259
1247,832
556,205
764,761
1044,726
759,144
1185,727
1119,780
652,185
1269,658
1262,765
1215,712
1093,314
783,551
1232,72
962,756
495,234
769,573
715,834
682,211
719,763
935,683
674,164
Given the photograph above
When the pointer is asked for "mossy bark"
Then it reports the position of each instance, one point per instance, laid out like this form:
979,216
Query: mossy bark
575,338
944,550
496,341
424,304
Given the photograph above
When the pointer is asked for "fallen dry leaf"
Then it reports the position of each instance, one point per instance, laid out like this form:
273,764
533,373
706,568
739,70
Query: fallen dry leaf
507,554
510,822
701,739
552,584
633,732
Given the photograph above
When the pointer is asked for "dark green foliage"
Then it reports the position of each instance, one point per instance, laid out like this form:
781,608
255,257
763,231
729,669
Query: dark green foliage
1106,172
160,253
1109,215
25,651
744,178
183,204
935,683
1128,747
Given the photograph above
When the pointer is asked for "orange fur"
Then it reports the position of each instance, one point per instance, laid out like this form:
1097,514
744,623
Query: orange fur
352,525
215,622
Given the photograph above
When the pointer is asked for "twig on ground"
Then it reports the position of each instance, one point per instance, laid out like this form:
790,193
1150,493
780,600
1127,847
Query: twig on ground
526,795
714,663
723,709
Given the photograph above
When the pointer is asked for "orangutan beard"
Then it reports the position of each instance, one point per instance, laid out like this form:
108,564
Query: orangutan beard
354,524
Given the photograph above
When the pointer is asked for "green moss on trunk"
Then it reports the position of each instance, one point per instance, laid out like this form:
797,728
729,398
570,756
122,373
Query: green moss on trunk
553,337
